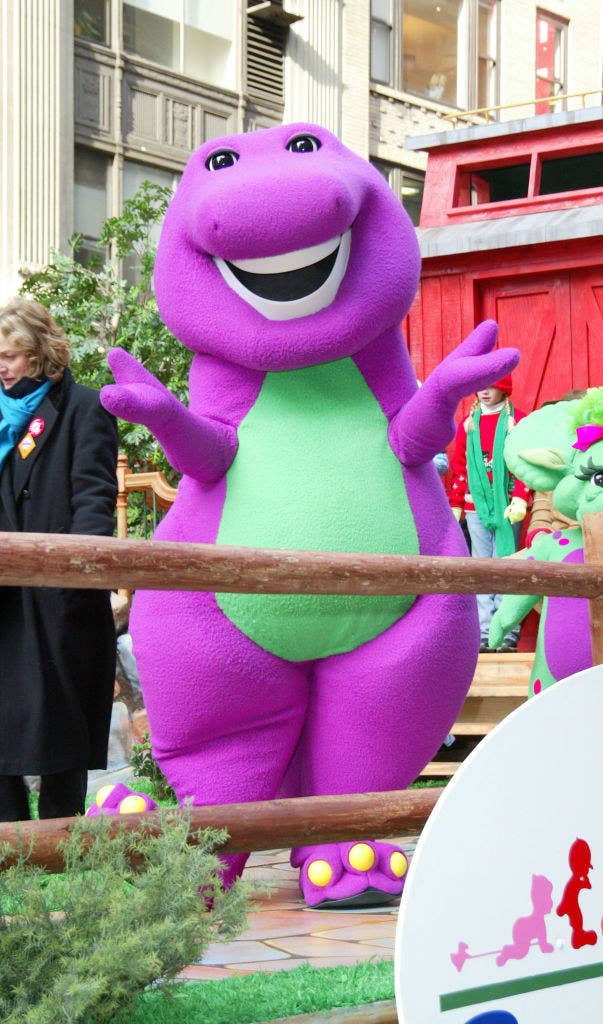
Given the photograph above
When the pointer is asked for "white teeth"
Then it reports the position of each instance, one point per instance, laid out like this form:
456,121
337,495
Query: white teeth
288,260
291,309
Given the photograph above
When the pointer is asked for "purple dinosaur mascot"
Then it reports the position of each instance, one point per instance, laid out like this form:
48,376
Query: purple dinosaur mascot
286,264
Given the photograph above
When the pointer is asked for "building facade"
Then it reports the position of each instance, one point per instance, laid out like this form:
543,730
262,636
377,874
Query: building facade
97,95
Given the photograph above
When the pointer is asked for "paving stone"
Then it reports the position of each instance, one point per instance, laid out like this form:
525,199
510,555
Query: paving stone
310,946
366,932
221,953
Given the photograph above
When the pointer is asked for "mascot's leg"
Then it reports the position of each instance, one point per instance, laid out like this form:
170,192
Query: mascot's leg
376,716
225,716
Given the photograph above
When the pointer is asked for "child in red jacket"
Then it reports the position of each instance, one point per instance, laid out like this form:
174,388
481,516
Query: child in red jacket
493,501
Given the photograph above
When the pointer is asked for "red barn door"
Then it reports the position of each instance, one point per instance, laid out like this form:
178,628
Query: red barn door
556,321
533,315
587,327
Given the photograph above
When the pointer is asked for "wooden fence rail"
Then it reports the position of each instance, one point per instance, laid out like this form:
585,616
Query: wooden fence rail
257,826
53,560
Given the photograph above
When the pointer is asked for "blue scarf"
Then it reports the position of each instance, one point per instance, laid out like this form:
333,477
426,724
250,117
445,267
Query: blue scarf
15,414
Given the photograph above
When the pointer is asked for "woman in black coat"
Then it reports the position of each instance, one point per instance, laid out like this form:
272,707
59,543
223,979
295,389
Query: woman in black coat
58,455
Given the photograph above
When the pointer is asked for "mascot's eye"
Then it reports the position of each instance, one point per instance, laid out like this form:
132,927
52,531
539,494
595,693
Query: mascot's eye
220,159
597,479
303,144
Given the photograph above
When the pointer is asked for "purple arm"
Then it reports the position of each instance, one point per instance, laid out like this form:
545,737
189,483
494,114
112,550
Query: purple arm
425,425
200,447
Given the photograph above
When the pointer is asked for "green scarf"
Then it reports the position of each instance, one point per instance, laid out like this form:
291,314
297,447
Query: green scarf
491,498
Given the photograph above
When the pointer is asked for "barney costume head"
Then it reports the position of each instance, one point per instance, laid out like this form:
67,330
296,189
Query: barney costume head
298,228
286,264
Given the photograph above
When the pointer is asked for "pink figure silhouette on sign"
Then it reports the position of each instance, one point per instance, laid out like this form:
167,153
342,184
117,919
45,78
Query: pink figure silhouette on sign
527,931
579,862
531,929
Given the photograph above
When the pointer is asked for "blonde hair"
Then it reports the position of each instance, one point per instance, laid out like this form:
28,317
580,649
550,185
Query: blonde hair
28,326
470,421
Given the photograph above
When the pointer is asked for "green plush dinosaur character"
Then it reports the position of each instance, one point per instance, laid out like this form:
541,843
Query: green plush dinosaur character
558,448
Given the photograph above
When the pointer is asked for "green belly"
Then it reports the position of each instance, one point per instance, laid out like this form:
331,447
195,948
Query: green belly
314,470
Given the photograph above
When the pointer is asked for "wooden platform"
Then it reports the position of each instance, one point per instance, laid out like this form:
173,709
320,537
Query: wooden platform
499,686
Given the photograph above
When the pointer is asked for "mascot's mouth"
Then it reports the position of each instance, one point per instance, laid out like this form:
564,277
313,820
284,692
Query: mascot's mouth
293,284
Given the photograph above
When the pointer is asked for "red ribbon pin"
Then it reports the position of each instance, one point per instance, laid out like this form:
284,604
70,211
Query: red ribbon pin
36,427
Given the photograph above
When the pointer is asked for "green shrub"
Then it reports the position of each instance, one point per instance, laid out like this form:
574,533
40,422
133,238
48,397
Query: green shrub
145,767
123,926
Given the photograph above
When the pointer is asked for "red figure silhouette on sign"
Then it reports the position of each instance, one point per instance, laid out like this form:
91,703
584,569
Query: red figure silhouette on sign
531,929
580,865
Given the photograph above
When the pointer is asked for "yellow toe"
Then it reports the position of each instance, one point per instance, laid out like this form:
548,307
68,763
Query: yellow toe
320,873
361,857
132,804
399,864
102,795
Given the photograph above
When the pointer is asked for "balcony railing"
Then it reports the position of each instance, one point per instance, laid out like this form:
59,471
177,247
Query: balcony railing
488,113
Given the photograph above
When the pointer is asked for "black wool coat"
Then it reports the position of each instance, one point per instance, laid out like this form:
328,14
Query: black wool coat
57,646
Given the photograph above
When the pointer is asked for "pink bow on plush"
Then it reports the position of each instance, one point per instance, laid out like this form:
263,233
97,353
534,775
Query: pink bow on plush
587,435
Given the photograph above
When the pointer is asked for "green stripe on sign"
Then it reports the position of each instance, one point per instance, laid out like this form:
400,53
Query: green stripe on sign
503,989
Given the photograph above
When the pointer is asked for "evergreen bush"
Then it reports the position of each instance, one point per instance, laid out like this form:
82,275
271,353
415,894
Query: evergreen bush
131,917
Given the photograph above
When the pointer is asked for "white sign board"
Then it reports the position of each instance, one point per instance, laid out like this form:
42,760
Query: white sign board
501,917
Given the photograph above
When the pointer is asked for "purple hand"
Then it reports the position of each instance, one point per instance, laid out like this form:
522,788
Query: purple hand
200,447
137,396
425,426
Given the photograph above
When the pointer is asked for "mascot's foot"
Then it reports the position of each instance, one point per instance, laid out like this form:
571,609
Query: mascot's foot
364,874
120,799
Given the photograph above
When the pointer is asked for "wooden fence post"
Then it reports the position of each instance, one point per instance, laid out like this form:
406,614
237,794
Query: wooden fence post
122,497
592,528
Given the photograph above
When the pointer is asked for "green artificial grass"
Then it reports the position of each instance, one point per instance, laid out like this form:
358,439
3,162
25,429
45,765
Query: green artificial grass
261,997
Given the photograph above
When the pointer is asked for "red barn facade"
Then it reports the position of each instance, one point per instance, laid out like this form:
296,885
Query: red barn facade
512,228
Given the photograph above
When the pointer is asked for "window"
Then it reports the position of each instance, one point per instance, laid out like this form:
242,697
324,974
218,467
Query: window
150,31
411,193
571,173
381,40
407,184
133,176
92,199
193,37
496,184
209,31
91,20
430,44
551,47
554,174
443,50
487,53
